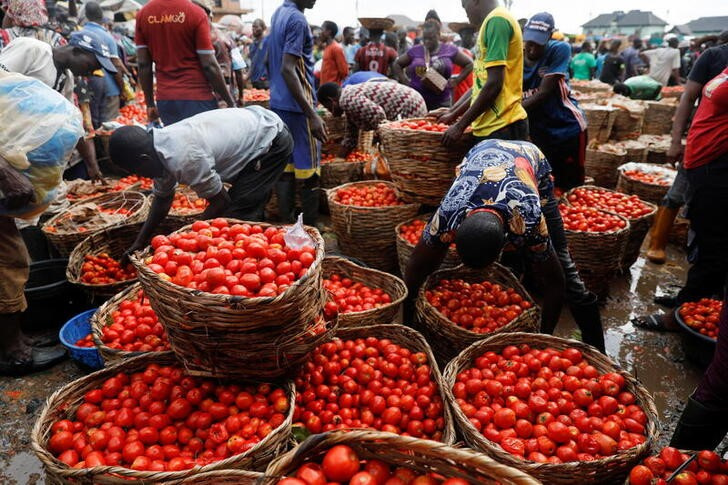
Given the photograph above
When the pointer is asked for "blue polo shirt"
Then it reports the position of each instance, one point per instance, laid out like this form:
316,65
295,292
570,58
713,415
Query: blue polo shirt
256,52
290,34
362,77
111,88
559,117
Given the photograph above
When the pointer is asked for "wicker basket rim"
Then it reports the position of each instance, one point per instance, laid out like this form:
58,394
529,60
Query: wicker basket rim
110,195
330,193
653,208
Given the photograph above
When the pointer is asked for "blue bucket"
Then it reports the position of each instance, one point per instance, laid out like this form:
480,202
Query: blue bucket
75,329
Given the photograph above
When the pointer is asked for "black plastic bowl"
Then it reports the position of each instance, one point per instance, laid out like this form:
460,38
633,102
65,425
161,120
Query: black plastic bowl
698,348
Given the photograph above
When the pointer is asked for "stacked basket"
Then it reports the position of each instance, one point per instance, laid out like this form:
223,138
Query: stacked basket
629,120
367,233
405,248
600,120
658,117
636,150
422,169
650,192
602,162
604,471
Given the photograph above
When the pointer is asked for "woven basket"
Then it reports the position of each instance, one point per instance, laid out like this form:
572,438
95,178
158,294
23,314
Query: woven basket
367,233
449,339
374,23
628,124
638,228
656,155
607,471
421,168
679,232
365,142
636,150
221,477
653,193
658,117
232,336
63,403
405,248
600,120
335,127
115,241
594,86
602,166
103,317
340,172
415,342
265,104
400,451
391,285
65,242
598,256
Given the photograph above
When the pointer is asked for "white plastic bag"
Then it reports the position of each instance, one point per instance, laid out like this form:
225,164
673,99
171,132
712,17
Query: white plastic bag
296,236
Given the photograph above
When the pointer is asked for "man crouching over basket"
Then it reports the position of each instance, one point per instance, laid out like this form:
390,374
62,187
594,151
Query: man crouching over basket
247,147
502,201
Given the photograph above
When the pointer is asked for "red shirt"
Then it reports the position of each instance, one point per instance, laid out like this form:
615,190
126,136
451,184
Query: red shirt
375,57
708,134
175,32
466,83
334,68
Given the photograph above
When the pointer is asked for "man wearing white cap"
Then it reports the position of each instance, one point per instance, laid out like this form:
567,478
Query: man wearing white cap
664,62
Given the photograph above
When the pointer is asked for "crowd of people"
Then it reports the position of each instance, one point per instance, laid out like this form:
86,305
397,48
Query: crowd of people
504,81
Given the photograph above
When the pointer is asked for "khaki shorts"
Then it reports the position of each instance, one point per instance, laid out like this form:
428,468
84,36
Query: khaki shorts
14,267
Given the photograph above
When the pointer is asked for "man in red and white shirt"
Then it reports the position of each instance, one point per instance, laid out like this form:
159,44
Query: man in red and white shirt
375,56
175,36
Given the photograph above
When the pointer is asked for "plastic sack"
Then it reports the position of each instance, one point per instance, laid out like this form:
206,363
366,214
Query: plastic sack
39,132
296,236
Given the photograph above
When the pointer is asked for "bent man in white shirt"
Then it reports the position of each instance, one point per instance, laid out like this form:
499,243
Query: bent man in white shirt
664,62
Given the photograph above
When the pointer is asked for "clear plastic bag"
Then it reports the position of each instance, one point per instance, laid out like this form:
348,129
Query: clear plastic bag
296,236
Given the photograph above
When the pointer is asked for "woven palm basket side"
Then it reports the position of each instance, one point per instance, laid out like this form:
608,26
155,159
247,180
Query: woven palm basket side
628,124
450,339
405,248
63,403
604,471
648,192
600,120
602,166
222,477
400,451
658,118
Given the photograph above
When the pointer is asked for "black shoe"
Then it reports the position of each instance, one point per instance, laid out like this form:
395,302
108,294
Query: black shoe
589,321
699,427
41,358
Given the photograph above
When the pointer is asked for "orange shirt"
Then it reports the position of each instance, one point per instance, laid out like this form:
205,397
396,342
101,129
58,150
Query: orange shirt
334,68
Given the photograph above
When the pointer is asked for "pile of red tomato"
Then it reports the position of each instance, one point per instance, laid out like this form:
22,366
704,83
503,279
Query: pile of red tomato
629,206
86,341
256,95
238,259
549,405
588,219
707,468
123,211
479,307
412,231
352,296
341,464
421,125
649,178
373,195
184,202
702,316
132,113
135,327
369,383
125,182
357,156
162,420
102,269
327,158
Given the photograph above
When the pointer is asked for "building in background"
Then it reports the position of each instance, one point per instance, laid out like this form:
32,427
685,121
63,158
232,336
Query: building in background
227,7
702,26
634,22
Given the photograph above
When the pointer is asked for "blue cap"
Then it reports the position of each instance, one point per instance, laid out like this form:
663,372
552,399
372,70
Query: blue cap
92,42
539,28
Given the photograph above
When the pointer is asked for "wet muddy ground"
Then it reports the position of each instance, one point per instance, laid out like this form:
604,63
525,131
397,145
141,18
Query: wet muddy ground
656,359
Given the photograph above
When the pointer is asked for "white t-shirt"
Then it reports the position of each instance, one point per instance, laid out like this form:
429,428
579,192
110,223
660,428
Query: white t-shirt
34,58
662,62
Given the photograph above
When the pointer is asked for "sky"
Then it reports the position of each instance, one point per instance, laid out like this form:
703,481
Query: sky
569,14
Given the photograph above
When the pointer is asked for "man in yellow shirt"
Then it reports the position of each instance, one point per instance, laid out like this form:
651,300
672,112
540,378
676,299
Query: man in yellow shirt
495,109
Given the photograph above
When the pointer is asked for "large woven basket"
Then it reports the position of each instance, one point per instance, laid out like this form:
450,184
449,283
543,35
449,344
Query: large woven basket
594,86
373,278
128,199
653,193
114,241
63,403
415,342
602,164
636,150
658,117
638,228
232,336
628,124
365,141
335,126
449,339
103,317
598,256
656,155
367,233
600,120
423,456
339,172
606,471
221,477
405,248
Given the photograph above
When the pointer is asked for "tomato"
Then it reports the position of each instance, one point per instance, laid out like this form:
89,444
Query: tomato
661,178
369,195
589,219
641,475
135,327
702,316
340,463
102,269
422,126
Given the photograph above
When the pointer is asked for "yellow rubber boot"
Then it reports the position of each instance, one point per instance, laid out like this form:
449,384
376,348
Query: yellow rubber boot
660,233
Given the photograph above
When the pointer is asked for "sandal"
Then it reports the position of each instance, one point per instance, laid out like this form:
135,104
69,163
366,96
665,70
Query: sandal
653,323
667,296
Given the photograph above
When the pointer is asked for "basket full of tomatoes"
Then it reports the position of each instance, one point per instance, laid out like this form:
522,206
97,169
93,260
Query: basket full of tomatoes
597,240
462,305
554,408
259,97
337,171
144,419
639,213
361,296
369,457
704,467
421,167
187,206
235,298
364,216
648,181
409,234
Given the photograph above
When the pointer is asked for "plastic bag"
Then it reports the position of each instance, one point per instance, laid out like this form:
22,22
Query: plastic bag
296,236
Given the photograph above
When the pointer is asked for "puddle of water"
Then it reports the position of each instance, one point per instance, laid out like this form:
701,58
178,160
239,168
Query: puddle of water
24,467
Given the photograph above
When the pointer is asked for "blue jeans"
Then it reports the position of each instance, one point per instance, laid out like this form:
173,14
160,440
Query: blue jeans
172,111
677,195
